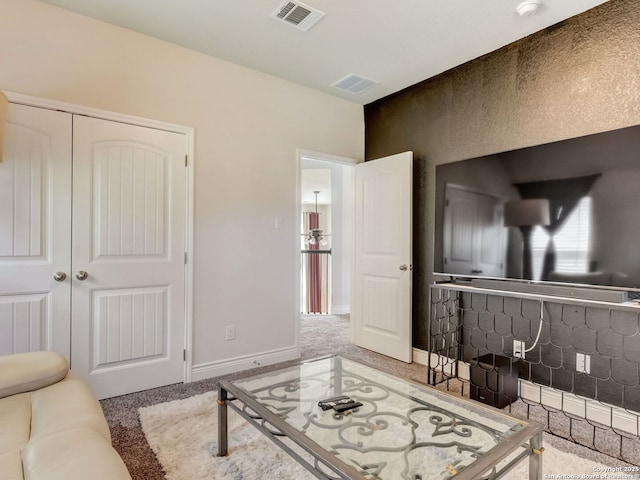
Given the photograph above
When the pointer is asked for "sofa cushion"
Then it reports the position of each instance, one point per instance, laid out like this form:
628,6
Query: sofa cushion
66,405
11,465
81,453
51,425
24,372
15,421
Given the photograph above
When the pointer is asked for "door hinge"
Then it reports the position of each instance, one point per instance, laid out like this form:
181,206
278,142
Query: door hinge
446,203
184,355
186,160
185,258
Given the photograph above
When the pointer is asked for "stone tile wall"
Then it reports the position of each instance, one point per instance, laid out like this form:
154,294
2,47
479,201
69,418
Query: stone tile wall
468,325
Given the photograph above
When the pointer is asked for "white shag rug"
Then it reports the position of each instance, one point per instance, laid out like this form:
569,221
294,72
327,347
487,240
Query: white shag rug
184,436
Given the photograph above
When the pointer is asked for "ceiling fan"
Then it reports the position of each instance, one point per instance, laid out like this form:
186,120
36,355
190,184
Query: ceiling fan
315,236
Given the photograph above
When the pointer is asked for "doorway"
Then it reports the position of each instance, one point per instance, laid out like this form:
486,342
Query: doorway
376,230
315,245
325,283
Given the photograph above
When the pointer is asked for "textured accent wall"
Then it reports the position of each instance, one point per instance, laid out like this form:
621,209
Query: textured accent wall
575,78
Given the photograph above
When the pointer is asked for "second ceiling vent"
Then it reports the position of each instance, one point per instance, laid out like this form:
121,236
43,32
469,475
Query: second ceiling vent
297,15
354,83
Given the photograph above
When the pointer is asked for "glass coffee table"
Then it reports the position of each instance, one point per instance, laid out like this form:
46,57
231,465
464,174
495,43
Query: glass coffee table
403,430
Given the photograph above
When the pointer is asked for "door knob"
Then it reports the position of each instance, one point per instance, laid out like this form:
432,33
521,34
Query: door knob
59,276
404,267
82,275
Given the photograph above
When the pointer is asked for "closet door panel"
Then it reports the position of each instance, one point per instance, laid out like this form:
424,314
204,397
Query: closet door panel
131,201
35,231
129,216
24,323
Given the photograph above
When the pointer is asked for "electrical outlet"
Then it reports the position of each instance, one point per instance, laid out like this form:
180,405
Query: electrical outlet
230,333
583,363
518,349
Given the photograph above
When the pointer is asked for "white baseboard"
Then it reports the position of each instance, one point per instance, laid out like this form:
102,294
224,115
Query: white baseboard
340,309
420,357
440,363
580,407
237,364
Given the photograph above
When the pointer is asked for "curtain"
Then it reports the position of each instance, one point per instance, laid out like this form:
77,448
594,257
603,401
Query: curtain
314,277
316,270
316,291
563,195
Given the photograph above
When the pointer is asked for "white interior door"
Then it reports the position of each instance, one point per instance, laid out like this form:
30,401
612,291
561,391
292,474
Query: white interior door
459,227
382,260
35,231
128,261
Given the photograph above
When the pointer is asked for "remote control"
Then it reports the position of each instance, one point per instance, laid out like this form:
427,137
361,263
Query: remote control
332,402
343,407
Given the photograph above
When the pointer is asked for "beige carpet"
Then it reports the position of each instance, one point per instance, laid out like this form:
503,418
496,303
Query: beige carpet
183,435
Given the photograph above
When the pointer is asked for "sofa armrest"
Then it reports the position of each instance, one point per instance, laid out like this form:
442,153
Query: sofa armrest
25,372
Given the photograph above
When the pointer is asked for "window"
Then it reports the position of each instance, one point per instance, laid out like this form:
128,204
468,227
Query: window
571,242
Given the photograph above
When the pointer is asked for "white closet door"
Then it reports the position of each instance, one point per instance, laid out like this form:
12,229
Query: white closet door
35,231
128,317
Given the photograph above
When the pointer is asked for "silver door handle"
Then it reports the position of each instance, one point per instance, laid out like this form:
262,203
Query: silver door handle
404,267
82,275
59,276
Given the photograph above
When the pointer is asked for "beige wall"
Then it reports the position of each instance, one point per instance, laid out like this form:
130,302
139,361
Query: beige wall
576,78
247,128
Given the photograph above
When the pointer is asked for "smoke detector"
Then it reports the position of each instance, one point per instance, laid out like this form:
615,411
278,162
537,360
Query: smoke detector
528,7
298,15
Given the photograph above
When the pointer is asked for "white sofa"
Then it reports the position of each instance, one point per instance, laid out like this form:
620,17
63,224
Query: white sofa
51,425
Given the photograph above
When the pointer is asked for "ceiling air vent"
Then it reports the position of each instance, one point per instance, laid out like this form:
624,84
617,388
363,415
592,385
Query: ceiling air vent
298,15
354,83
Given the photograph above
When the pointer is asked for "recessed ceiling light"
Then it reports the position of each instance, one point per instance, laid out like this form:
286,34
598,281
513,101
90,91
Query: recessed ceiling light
528,7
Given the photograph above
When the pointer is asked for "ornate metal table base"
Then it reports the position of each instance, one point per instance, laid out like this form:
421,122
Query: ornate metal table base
403,430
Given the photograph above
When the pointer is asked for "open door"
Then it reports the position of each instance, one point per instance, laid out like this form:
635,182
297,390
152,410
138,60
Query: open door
382,264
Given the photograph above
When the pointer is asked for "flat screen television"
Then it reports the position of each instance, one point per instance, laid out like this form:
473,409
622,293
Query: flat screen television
559,213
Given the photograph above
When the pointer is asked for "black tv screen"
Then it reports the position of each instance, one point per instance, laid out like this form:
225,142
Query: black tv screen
562,212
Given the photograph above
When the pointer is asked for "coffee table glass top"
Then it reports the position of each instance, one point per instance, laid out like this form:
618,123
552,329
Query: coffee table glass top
403,430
